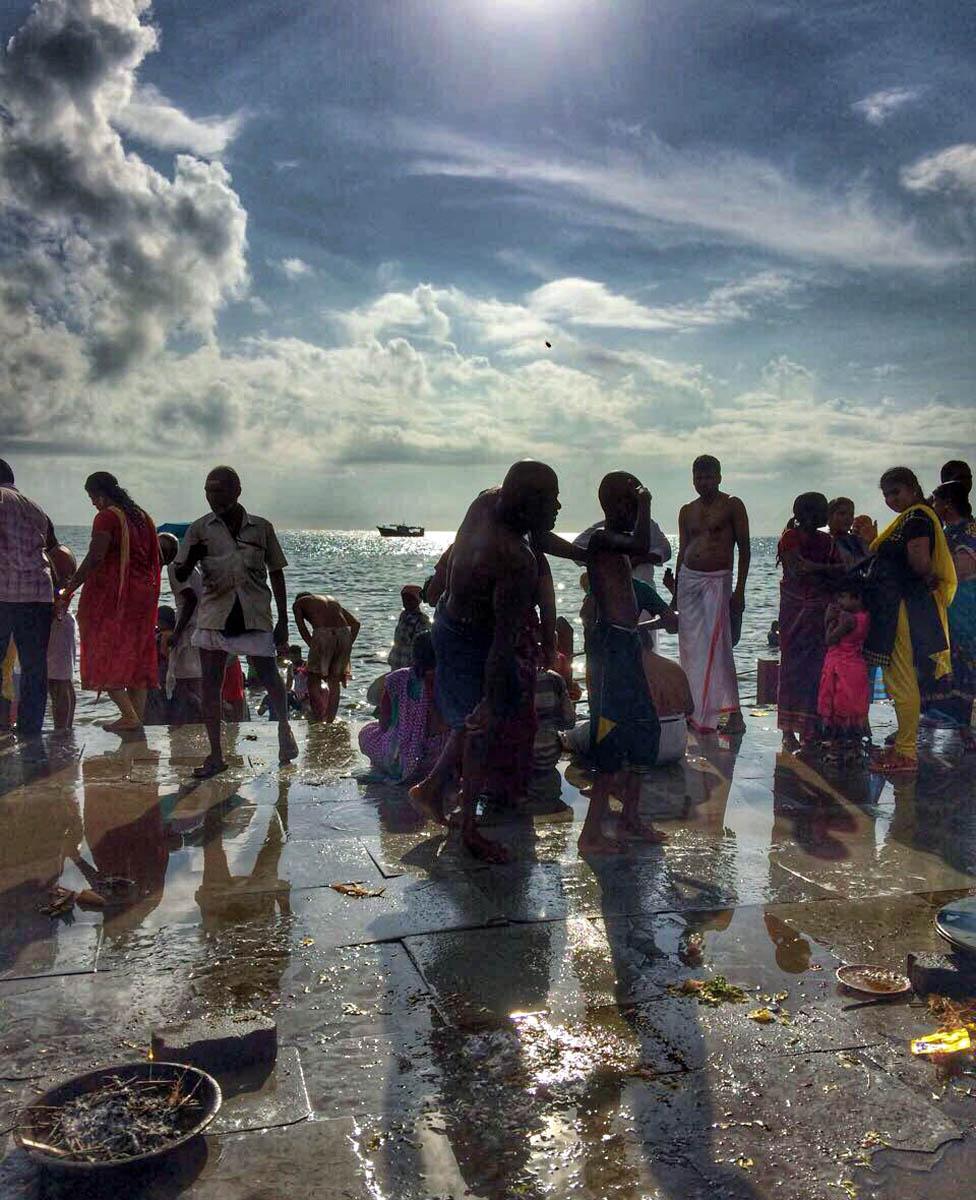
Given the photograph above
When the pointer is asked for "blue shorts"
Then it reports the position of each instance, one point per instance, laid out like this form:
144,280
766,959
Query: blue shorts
461,652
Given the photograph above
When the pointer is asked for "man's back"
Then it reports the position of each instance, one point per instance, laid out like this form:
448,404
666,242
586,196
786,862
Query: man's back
321,612
485,551
25,530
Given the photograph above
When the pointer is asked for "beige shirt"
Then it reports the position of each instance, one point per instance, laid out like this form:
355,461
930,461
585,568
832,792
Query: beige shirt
234,569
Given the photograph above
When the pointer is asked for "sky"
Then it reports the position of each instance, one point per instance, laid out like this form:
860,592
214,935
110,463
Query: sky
371,254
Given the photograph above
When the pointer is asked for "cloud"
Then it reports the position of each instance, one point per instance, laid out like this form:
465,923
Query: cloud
416,311
212,416
783,430
294,268
879,106
590,303
108,248
714,195
950,170
153,119
390,446
447,414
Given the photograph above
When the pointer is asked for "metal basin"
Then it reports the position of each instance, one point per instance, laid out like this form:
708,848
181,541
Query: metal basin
34,1128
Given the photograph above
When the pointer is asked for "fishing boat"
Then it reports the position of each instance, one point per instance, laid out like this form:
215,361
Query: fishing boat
401,530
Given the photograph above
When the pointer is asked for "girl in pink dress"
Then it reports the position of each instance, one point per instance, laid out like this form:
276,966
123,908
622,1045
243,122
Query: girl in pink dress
844,699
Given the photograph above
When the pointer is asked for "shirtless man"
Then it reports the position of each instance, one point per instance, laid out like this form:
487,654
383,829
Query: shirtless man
492,581
624,727
710,529
329,631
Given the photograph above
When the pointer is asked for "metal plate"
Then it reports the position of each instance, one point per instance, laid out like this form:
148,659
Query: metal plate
858,978
956,922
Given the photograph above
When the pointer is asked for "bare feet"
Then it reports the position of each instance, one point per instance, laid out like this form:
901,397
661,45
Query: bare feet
209,767
427,798
287,747
893,763
481,847
121,725
643,831
598,843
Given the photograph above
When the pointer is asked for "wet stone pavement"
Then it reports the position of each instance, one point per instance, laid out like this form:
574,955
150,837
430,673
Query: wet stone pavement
476,1031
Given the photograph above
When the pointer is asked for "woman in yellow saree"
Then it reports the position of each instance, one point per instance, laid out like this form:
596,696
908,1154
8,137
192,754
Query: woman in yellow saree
912,581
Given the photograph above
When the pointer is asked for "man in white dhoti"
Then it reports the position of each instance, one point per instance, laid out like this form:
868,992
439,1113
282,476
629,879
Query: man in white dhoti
710,529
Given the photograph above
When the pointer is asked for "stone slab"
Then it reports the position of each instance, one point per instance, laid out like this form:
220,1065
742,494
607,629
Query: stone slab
58,949
363,1022
298,1162
268,1096
561,967
218,1044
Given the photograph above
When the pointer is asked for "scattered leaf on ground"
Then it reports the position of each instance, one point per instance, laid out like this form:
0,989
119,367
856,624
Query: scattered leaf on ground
712,991
745,1163
308,941
762,1015
357,890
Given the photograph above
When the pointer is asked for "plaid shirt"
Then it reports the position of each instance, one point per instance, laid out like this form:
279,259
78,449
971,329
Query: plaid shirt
25,577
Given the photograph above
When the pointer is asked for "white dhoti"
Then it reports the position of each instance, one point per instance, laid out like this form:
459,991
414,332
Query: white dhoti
255,643
674,740
705,645
673,743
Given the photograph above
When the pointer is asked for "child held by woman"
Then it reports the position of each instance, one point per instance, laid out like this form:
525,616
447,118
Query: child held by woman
844,699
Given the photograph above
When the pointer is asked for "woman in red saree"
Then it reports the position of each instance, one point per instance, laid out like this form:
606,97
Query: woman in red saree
809,559
117,609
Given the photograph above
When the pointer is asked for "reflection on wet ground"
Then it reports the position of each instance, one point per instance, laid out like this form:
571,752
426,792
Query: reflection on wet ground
522,1030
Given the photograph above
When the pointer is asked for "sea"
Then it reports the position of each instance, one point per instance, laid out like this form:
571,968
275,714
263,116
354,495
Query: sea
365,572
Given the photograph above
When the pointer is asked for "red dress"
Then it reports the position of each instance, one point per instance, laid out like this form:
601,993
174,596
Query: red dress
845,696
117,609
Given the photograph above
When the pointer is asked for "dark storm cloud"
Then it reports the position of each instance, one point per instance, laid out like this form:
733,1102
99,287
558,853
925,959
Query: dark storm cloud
207,418
149,255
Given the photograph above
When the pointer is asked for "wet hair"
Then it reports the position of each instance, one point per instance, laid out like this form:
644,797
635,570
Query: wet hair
955,493
227,472
302,595
63,563
613,486
807,507
957,471
6,473
838,502
423,653
293,650
903,476
706,460
166,616
103,483
168,539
